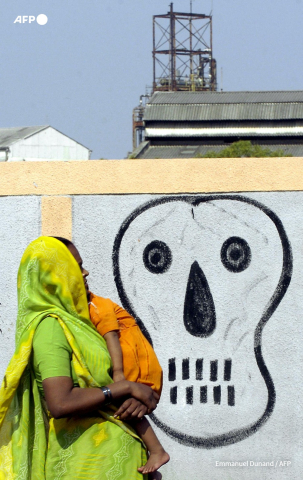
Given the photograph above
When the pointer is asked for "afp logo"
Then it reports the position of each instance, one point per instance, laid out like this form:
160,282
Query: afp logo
41,19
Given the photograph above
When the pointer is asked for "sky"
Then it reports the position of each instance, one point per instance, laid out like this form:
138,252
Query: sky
85,69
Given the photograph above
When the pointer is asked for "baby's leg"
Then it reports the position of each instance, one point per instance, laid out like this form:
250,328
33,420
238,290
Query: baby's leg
157,455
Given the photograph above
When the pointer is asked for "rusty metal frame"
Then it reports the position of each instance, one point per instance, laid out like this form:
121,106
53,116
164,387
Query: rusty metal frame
192,54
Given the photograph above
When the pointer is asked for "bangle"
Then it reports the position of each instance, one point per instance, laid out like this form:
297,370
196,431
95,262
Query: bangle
108,395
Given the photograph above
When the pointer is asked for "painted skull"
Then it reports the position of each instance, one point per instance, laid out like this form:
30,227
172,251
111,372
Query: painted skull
202,276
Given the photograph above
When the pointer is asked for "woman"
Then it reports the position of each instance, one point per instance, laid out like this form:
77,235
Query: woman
62,426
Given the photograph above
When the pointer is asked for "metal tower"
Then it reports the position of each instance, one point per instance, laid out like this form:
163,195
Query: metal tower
182,59
182,52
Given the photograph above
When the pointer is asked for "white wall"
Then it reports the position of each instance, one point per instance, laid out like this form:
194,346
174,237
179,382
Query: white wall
20,224
196,233
239,299
49,144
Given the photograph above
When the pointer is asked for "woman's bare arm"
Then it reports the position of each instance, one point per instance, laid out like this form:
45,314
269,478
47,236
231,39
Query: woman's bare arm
64,400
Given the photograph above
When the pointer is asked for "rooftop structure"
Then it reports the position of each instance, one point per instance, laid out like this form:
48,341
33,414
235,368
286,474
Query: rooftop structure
182,59
186,124
182,52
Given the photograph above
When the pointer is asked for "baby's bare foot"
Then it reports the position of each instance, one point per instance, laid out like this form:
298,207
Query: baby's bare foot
155,461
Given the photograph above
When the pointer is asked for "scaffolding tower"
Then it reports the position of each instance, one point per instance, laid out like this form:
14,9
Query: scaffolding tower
182,59
183,52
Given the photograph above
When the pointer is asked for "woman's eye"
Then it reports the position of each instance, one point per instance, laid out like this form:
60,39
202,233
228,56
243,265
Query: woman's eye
235,254
157,257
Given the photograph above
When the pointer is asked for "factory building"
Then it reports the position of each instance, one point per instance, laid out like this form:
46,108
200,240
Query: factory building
39,143
189,124
185,116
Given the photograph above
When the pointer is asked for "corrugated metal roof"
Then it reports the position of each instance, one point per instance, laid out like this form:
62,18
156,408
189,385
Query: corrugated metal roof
191,151
8,136
221,112
198,98
167,152
139,150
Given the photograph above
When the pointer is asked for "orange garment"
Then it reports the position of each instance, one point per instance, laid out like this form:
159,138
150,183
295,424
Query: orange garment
140,363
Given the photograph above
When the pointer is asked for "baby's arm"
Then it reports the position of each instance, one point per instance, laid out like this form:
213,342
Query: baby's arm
114,348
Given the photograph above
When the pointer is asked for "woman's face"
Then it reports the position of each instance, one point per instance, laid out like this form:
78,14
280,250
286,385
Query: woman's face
78,258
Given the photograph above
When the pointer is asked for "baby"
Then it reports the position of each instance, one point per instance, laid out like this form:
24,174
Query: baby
133,359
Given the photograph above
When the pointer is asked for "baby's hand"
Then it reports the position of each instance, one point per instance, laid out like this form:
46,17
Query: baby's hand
118,376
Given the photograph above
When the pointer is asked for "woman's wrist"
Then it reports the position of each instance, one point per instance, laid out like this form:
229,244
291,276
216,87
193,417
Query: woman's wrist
107,394
120,389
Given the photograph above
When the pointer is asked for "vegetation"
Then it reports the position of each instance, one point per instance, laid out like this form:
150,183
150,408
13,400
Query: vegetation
244,148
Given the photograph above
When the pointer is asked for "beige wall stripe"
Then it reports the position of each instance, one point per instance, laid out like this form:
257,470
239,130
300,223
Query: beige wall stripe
151,176
56,217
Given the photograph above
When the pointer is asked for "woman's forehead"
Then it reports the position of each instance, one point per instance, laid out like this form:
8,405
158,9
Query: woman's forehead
75,253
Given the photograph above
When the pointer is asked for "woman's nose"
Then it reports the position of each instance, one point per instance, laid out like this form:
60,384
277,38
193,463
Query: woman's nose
85,273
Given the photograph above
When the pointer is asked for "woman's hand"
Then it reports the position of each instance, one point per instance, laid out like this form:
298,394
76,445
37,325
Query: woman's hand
145,394
131,409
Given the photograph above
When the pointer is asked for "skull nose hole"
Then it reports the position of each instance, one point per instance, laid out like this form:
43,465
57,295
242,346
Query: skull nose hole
199,308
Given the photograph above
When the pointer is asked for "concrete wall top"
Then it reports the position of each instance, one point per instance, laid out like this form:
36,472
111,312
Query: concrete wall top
151,176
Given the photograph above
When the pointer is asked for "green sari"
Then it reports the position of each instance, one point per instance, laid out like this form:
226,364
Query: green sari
32,444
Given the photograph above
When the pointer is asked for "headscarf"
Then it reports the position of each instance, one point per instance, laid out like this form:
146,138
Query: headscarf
50,283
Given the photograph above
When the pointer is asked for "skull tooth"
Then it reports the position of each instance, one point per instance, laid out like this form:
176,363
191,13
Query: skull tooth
203,394
217,394
189,395
185,369
214,370
199,369
227,370
231,395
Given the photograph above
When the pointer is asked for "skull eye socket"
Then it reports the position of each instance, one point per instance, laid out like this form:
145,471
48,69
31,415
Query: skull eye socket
157,257
235,254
